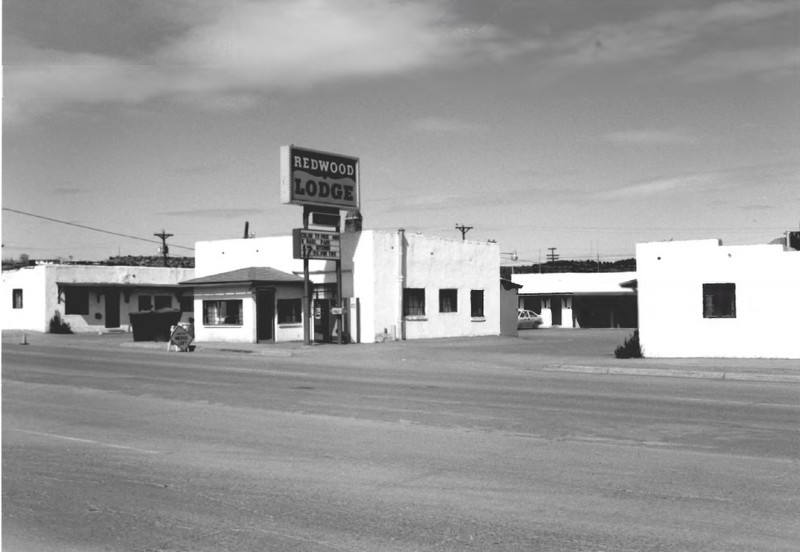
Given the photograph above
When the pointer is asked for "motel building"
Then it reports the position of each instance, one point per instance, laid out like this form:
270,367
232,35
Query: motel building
699,298
358,286
394,286
580,300
91,298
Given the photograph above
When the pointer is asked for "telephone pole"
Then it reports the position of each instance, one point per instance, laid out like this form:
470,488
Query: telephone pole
552,256
164,249
464,230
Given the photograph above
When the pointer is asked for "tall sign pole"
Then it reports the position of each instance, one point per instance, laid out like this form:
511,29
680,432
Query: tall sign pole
324,184
307,303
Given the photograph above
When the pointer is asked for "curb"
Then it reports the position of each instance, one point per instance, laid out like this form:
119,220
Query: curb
668,373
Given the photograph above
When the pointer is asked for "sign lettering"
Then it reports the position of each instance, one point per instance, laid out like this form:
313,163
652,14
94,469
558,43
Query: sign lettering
316,244
310,177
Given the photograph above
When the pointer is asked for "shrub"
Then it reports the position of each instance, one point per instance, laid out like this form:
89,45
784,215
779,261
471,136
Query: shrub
630,348
59,326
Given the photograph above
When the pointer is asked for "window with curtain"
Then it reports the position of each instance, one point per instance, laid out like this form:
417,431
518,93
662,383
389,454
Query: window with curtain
719,300
448,300
414,302
222,313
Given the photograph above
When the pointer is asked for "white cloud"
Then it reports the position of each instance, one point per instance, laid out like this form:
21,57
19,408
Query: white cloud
256,48
692,182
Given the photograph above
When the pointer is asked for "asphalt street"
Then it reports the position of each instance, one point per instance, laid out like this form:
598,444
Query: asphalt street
441,445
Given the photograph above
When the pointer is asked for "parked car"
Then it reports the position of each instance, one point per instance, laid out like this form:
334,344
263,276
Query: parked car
527,319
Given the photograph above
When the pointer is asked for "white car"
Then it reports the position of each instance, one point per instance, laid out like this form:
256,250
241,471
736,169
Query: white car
527,319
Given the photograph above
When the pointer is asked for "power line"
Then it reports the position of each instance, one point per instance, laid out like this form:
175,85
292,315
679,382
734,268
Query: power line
92,228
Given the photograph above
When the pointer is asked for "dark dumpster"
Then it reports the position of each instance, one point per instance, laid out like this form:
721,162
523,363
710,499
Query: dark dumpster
153,325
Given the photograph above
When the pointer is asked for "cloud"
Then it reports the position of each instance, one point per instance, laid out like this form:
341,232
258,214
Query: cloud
767,63
771,180
444,125
650,137
663,186
684,31
255,49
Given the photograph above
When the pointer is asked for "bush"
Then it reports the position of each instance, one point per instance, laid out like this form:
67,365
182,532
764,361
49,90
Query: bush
59,326
630,348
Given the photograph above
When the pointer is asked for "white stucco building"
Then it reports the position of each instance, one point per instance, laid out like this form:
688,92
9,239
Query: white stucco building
580,299
396,285
90,298
702,299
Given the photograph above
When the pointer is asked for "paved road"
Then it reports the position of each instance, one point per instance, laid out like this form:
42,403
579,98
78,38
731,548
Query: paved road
443,446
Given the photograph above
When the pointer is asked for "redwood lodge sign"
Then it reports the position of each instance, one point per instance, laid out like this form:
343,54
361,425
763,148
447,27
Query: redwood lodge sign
310,177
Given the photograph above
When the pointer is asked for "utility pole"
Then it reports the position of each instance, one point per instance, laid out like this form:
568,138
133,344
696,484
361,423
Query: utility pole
164,249
552,256
464,230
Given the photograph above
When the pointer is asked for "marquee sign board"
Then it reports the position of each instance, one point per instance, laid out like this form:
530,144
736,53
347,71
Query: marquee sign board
316,244
310,177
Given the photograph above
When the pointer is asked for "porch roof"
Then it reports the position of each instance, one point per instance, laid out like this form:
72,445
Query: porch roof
253,274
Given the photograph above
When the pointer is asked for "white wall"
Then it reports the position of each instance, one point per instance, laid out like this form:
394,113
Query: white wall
33,314
216,257
435,263
670,286
371,272
41,301
246,333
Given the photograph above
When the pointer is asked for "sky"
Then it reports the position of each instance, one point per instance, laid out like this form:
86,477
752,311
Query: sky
581,125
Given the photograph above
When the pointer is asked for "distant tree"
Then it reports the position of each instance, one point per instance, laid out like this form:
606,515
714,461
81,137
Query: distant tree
624,265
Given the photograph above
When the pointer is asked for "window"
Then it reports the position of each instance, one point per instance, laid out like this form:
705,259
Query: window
476,303
290,311
76,301
719,300
17,298
448,300
163,302
222,313
145,303
414,302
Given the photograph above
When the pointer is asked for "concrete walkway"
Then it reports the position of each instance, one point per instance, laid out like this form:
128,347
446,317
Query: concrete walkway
575,351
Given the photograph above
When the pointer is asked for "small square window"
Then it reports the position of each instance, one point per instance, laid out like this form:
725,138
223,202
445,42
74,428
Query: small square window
163,302
145,302
719,300
448,300
414,302
290,311
476,303
17,298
